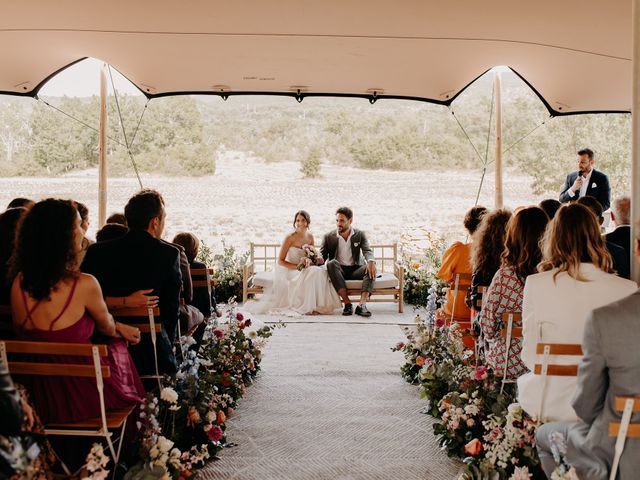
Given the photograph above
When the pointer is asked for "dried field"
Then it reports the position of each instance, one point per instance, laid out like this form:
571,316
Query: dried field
250,200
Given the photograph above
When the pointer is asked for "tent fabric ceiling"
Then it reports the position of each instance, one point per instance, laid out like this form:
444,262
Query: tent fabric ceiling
576,54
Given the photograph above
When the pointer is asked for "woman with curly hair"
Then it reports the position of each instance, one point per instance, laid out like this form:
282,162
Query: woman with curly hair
576,277
52,301
519,260
487,250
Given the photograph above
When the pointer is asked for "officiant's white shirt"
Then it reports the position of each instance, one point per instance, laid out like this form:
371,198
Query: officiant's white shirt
344,255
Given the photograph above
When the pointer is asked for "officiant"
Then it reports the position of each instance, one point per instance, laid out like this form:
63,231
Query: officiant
587,181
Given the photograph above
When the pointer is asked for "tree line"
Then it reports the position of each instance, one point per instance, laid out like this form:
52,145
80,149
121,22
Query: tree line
184,135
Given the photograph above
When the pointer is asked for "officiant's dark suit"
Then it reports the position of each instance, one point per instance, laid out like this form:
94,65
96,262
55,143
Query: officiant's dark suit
598,188
361,252
140,261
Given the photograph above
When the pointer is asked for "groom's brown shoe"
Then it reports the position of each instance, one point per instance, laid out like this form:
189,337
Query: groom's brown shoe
362,311
348,309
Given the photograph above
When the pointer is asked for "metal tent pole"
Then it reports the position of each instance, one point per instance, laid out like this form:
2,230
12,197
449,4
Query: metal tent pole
102,142
498,197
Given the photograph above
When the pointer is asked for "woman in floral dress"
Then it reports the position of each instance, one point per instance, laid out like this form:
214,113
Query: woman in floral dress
520,258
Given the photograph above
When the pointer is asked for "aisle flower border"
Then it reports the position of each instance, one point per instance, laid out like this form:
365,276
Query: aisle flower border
476,423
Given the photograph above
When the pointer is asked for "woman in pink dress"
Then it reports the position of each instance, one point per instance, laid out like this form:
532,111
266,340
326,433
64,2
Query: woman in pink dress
52,301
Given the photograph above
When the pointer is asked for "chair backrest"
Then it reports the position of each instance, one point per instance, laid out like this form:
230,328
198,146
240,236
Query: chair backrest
509,332
460,282
29,366
545,369
264,256
131,316
6,323
623,429
201,278
482,290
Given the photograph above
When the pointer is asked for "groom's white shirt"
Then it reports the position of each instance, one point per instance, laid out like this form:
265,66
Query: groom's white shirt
344,255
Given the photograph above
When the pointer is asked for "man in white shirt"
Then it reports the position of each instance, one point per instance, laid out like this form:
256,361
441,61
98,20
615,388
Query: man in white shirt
343,250
587,181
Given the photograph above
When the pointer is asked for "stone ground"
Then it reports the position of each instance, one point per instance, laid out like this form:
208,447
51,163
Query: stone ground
330,404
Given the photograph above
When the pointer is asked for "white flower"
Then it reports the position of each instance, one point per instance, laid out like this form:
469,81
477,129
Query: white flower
164,444
169,395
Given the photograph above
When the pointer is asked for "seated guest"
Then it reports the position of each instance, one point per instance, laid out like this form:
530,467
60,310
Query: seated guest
111,231
577,276
118,218
140,260
457,259
610,368
621,215
190,316
84,215
8,226
621,260
21,202
486,252
550,207
201,299
53,302
519,260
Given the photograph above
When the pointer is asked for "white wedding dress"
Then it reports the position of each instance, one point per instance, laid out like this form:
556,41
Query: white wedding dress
296,292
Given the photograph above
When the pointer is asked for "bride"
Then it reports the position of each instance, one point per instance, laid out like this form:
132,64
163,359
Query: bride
299,286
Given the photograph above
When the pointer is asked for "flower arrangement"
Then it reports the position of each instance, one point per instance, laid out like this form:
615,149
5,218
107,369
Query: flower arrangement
185,426
310,256
422,259
563,470
477,423
227,272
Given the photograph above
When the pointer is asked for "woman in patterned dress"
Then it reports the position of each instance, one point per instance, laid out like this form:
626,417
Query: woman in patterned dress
520,258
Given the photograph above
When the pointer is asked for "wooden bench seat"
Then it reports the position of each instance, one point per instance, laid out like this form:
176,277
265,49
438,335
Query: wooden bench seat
389,287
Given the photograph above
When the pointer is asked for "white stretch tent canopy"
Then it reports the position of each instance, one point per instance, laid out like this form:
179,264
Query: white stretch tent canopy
576,54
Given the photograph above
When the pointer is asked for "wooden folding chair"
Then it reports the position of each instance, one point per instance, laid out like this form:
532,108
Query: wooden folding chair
509,333
202,278
460,281
126,314
546,369
6,323
109,422
624,428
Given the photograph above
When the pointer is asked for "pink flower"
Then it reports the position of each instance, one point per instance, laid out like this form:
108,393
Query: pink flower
474,447
218,332
239,317
400,345
215,433
480,373
439,321
247,322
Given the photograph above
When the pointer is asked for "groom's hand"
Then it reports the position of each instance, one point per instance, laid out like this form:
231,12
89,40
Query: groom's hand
371,269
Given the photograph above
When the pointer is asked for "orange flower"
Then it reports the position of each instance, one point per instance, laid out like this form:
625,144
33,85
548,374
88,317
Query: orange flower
474,447
221,417
420,360
193,417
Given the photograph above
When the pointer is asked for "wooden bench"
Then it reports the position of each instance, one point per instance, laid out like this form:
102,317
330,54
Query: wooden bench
263,258
108,422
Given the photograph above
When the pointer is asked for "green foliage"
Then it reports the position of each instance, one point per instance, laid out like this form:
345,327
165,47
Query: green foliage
310,165
182,135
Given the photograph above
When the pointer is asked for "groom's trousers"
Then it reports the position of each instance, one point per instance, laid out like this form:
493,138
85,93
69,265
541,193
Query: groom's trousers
340,273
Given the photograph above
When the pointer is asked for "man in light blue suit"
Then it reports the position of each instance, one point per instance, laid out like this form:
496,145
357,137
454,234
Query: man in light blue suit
610,367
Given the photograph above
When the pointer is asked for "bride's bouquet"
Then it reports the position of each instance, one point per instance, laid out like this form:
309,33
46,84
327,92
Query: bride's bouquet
310,256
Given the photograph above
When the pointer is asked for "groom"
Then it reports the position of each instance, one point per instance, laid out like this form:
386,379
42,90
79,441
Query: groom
341,251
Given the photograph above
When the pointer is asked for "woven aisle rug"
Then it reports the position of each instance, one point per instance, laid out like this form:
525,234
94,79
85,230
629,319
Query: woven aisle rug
330,404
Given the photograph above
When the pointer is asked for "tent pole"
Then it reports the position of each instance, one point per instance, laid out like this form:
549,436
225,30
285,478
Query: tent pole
635,137
102,161
498,197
